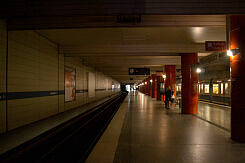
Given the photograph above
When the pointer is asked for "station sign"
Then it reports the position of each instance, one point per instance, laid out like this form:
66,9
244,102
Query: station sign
139,71
219,46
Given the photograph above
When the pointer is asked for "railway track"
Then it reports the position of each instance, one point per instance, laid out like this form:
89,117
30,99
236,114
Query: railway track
71,141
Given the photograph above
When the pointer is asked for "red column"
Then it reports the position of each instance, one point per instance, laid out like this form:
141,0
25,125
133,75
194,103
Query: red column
158,88
189,82
170,71
237,40
153,85
150,86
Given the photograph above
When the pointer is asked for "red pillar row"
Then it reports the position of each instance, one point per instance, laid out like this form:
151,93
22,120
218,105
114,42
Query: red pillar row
189,82
237,40
158,88
150,86
153,86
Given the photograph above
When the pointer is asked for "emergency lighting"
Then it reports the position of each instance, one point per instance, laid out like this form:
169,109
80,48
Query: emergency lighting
151,81
199,70
164,76
233,52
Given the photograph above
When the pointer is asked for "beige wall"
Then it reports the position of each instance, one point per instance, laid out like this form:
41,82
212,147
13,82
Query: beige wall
34,65
82,83
3,52
61,82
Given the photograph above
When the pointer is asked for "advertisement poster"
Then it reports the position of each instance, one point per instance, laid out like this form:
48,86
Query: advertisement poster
215,88
70,84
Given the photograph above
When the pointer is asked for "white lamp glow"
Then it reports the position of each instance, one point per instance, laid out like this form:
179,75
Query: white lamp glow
199,70
229,53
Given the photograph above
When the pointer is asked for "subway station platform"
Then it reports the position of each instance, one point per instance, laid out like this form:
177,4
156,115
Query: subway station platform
143,131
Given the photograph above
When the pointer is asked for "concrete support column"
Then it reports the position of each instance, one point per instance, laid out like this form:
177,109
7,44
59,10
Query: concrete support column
153,86
189,81
170,71
237,40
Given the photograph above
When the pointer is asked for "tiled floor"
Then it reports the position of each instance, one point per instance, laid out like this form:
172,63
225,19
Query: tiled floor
152,134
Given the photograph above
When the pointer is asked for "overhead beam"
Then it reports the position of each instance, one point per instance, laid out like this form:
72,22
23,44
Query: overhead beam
68,22
128,50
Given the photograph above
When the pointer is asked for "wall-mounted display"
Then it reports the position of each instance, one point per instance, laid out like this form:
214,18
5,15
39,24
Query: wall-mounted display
226,88
202,85
206,88
70,84
216,89
222,88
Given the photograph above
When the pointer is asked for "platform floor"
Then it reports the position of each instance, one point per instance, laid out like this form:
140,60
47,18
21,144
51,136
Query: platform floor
216,114
151,133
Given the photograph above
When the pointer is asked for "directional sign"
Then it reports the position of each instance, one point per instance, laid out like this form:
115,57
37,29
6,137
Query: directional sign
215,46
139,71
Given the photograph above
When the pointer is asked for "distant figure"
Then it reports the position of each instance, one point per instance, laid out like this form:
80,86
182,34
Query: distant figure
168,94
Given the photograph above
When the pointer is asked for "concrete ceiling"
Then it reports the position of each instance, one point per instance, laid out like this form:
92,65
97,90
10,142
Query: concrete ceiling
113,50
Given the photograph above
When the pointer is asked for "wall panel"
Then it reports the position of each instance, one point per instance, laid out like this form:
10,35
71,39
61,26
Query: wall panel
83,81
61,82
33,70
36,79
3,52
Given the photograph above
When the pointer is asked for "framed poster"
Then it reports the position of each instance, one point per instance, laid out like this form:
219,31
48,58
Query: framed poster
216,89
222,88
70,84
206,88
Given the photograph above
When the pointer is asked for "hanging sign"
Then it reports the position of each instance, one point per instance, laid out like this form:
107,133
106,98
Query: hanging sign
219,46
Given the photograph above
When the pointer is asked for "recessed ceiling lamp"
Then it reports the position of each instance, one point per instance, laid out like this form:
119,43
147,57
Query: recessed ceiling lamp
199,70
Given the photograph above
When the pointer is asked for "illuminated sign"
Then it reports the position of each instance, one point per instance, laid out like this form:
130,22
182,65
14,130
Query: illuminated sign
215,46
139,71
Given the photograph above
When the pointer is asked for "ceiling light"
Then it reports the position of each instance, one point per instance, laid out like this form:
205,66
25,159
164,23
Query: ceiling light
229,53
199,70
164,76
151,80
233,52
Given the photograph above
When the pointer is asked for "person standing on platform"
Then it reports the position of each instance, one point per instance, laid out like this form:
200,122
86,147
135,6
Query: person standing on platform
168,95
